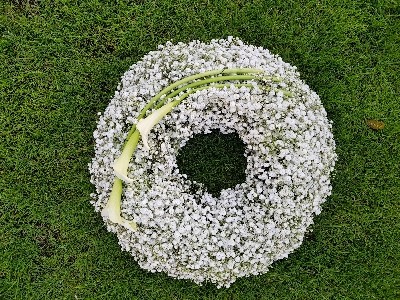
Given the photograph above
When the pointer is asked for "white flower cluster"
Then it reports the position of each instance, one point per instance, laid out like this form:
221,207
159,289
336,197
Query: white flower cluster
184,230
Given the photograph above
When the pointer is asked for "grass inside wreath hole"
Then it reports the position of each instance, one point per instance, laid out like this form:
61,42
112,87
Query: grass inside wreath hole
215,159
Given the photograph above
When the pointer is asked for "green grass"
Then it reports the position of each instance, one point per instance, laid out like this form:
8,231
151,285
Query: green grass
61,63
216,160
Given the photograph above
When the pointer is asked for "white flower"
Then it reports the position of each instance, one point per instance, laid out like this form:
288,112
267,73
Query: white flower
112,211
145,125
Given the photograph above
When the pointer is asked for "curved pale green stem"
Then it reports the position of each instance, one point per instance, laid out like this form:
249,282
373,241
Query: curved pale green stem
218,86
186,80
121,164
112,210
207,81
194,77
221,86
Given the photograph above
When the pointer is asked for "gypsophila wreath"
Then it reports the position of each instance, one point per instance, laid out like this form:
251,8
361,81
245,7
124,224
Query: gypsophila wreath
171,224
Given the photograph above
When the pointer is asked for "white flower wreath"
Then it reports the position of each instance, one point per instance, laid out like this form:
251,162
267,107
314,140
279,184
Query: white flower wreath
232,87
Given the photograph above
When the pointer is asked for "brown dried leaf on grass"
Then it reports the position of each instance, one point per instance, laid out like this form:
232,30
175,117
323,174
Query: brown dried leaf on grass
375,124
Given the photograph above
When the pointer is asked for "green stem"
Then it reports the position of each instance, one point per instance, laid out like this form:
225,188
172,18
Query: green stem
121,164
218,86
194,77
209,80
185,80
130,145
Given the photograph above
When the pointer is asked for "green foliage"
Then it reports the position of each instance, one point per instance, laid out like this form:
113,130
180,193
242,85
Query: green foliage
61,63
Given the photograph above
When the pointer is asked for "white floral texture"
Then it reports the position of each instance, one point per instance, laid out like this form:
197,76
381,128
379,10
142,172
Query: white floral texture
193,235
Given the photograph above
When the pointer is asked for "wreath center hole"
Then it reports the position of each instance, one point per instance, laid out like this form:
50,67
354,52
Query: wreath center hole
215,159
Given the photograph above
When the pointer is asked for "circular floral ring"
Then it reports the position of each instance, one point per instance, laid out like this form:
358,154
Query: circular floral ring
172,224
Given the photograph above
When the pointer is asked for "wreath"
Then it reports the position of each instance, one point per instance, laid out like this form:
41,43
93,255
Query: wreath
172,224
